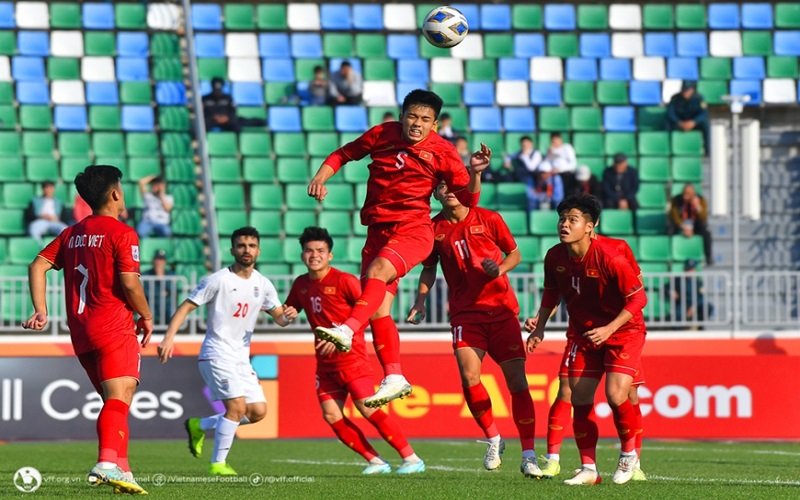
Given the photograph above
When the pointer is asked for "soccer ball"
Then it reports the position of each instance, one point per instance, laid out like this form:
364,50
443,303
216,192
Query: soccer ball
445,27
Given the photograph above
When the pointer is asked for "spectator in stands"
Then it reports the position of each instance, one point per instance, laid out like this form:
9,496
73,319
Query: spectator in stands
620,185
546,189
218,108
159,292
561,156
688,295
46,214
688,215
521,166
446,129
462,146
345,86
584,182
318,87
388,117
687,110
157,206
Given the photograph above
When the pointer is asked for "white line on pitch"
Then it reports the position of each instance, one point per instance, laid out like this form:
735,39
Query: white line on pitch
780,482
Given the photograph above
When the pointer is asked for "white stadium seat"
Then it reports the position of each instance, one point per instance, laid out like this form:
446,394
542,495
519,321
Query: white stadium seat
547,69
470,48
164,16
400,17
725,43
379,93
67,92
649,68
98,69
303,17
447,70
625,17
241,45
244,69
5,69
32,15
669,88
512,93
627,45
780,91
66,43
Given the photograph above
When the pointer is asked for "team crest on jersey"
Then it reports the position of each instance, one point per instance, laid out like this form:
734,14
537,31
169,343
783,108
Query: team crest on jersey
561,269
425,155
592,273
476,229
439,237
304,291
135,252
329,290
256,291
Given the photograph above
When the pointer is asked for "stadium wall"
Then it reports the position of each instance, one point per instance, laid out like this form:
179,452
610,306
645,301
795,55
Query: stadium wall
695,389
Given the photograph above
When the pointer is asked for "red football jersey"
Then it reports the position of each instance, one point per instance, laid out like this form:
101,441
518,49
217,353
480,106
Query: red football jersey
595,288
92,254
329,301
402,176
623,248
461,247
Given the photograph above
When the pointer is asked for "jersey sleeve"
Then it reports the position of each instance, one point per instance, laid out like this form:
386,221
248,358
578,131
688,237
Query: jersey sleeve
205,291
126,252
550,295
271,300
351,287
53,253
628,253
503,237
354,151
293,300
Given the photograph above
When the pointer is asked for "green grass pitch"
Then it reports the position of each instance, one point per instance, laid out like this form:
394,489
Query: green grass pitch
306,469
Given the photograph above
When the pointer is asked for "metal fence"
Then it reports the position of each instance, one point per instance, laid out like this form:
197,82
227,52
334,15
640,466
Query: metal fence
688,300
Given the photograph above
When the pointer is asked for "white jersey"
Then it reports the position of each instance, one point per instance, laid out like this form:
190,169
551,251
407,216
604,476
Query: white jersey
233,307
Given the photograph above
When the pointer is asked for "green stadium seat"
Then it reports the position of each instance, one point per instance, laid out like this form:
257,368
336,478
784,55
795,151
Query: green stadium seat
255,144
6,93
654,169
11,221
268,222
176,144
687,248
379,69
616,222
295,221
168,69
451,96
304,68
222,144
149,246
494,140
547,242
63,68
370,45
290,144
11,170
782,67
239,17
35,117
70,167
651,221
10,144
271,17
225,169
562,45
322,143
596,164
179,169
588,143
428,50
273,270
422,10
358,228
757,43
497,45
337,222
209,68
175,118
297,197
43,144
99,43
130,16
356,172
292,170
113,143
690,16
135,92
339,197
65,15
133,197
654,143
586,118
3,250
229,221
318,119
164,45
577,93
787,15
516,220
187,222
185,195
354,246
375,115
554,119
525,17
106,117
543,223
712,90
278,92
649,118
687,169
229,196
192,272
488,198
715,68
70,144
338,45
687,143
512,196
592,17
189,250
22,250
652,195
41,169
612,92
18,195
528,248
266,196
8,43
620,142
480,70
658,17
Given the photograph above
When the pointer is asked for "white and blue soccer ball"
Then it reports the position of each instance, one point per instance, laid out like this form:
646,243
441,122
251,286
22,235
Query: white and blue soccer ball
445,27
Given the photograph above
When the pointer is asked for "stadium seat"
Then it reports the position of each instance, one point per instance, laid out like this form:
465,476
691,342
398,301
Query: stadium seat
292,170
562,45
645,93
691,44
554,119
616,222
654,169
17,195
130,16
725,43
7,20
723,16
335,17
659,44
787,15
620,142
615,69
654,143
684,248
413,70
132,69
586,118
782,67
683,68
519,119
66,44
41,169
612,92
545,94
285,119
297,197
70,117
652,195
174,94
588,144
97,16
787,43
225,169
750,87
689,16
527,45
367,17
651,222
222,144
543,222
649,68
339,197
206,17
627,45
559,17
497,45
581,69
749,68
209,45
67,92
547,69
137,118
133,44
780,91
578,92
258,170
479,93
290,144
485,119
33,43
687,169
654,248
27,69
658,17
619,119
757,43
402,17
351,119
446,70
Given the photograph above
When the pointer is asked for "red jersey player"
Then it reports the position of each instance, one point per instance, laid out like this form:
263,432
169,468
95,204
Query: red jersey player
327,295
470,243
408,160
604,298
100,259
561,410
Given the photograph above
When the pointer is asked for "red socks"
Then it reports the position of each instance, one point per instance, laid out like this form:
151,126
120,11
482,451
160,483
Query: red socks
639,429
112,431
625,419
524,417
386,340
371,299
585,428
349,434
557,423
391,433
480,405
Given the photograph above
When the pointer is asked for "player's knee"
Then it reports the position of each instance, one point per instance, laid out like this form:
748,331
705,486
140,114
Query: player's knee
256,414
363,409
616,398
331,417
517,383
382,269
470,378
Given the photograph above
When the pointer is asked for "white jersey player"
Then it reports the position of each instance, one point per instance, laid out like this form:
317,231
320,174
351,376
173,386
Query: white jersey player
233,297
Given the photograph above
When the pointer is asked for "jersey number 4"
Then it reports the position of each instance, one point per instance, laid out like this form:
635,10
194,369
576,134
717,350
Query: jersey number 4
241,310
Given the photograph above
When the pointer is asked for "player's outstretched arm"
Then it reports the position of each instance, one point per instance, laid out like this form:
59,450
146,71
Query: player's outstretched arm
134,293
283,315
37,278
167,347
478,162
427,277
316,188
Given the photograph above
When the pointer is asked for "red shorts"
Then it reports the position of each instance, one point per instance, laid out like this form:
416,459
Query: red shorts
563,371
502,340
119,358
355,380
404,244
621,355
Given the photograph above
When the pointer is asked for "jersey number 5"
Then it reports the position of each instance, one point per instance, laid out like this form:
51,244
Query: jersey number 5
401,160
241,310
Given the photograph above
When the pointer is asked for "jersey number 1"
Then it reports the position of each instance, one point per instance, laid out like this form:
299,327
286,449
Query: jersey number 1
241,310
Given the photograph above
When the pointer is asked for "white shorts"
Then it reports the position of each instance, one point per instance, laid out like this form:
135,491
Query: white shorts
228,380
